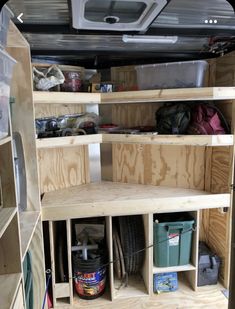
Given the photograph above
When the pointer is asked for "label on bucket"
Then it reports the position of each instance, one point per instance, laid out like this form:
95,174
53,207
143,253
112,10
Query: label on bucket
173,239
90,284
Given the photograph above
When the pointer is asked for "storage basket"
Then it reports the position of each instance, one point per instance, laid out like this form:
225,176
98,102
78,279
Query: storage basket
188,74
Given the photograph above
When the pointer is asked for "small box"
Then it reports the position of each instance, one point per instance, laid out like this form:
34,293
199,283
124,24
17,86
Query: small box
101,87
208,266
165,282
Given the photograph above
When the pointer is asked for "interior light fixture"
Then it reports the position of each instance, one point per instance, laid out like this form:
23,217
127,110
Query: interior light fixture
149,39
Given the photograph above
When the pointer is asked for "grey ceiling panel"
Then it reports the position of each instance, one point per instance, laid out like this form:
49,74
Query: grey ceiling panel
41,11
107,43
177,13
195,12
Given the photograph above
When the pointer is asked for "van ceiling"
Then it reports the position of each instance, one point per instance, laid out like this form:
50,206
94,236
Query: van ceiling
47,27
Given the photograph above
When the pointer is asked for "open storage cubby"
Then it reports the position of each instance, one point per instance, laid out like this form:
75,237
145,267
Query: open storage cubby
190,269
126,258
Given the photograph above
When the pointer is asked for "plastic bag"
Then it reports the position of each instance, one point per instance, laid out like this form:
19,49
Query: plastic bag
50,78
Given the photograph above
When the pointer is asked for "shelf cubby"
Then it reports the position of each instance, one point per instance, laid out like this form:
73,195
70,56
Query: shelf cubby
5,140
28,224
6,215
9,284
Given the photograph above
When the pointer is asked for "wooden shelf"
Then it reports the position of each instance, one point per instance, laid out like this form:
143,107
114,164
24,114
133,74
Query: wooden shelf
193,140
160,95
168,95
159,270
5,140
46,97
6,215
114,199
8,288
28,223
68,141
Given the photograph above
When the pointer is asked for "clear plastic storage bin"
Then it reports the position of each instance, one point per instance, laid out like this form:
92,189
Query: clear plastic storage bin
5,16
6,67
188,74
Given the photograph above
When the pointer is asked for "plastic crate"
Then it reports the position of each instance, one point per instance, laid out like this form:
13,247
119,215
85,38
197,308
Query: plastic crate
172,239
188,74
5,16
6,67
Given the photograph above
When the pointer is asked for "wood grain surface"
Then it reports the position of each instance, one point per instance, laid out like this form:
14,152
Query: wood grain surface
62,167
172,166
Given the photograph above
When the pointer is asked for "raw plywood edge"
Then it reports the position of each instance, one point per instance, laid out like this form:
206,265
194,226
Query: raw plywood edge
43,97
23,120
15,37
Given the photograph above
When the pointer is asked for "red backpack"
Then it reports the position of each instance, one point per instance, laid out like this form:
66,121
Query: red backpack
207,119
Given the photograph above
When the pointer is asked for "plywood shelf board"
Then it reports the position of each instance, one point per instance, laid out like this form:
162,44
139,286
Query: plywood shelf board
8,288
6,215
45,97
5,140
167,95
28,223
68,141
159,270
160,95
193,140
113,199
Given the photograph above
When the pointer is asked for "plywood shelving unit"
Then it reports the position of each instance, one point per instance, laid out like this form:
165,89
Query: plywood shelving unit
145,175
19,230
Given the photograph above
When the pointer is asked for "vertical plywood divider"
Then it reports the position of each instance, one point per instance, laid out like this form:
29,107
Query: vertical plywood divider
148,263
69,246
193,274
109,239
215,223
23,112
